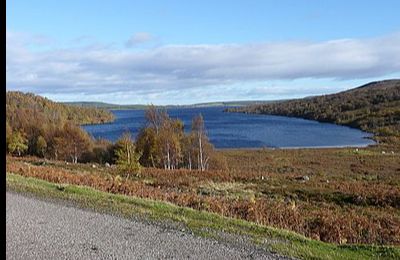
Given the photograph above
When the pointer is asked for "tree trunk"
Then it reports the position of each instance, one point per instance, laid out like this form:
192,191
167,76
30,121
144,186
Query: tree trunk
75,157
128,153
201,153
190,161
168,159
152,161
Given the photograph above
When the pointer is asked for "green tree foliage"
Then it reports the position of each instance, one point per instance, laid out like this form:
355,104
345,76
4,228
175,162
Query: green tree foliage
146,144
18,144
159,141
8,134
41,146
127,159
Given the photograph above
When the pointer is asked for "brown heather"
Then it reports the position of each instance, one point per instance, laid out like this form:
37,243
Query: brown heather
350,197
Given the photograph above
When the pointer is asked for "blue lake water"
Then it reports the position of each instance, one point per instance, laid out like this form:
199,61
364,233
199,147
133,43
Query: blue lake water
237,130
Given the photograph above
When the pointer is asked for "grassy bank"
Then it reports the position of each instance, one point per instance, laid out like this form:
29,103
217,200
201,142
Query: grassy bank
199,222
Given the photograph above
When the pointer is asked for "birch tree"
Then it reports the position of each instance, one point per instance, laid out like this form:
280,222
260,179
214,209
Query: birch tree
127,159
71,142
18,144
201,142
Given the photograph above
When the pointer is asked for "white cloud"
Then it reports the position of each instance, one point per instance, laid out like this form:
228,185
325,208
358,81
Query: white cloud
139,38
96,70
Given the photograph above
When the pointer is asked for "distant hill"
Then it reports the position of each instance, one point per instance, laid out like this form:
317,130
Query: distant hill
29,107
103,105
233,103
89,104
373,107
141,106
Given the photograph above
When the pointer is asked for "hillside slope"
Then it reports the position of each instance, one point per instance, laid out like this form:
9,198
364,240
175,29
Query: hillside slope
25,106
374,107
38,126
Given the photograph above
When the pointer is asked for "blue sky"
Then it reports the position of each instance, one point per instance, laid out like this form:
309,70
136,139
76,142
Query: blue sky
180,52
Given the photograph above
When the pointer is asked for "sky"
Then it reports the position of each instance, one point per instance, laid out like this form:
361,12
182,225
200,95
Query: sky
185,52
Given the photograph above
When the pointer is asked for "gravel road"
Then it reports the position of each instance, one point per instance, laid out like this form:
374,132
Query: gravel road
37,229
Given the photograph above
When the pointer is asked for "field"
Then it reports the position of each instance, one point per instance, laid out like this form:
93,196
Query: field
344,196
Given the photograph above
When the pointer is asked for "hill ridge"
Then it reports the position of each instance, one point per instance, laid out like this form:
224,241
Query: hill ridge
372,107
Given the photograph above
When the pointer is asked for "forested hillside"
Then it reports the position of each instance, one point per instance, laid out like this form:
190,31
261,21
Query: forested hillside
41,127
27,105
374,107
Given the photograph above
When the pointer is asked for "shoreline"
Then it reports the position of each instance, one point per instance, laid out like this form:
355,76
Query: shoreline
298,147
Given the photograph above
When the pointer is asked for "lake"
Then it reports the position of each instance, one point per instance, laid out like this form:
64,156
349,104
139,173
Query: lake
237,130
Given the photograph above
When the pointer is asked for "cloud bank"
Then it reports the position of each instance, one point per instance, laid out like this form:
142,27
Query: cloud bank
100,69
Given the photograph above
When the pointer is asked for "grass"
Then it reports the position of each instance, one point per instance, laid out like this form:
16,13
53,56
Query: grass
200,222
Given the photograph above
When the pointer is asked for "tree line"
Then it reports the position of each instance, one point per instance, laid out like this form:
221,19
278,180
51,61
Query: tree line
162,143
374,107
22,107
33,129
38,126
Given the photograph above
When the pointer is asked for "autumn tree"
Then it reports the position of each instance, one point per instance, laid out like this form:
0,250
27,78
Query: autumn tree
18,143
169,142
163,143
188,151
146,144
127,159
159,141
21,108
33,131
71,142
103,151
36,116
203,147
8,134
41,146
155,118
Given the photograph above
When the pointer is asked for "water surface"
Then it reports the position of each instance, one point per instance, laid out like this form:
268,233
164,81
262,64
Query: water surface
237,130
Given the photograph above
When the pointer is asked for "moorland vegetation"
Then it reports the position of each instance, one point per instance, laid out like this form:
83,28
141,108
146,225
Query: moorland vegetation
344,196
